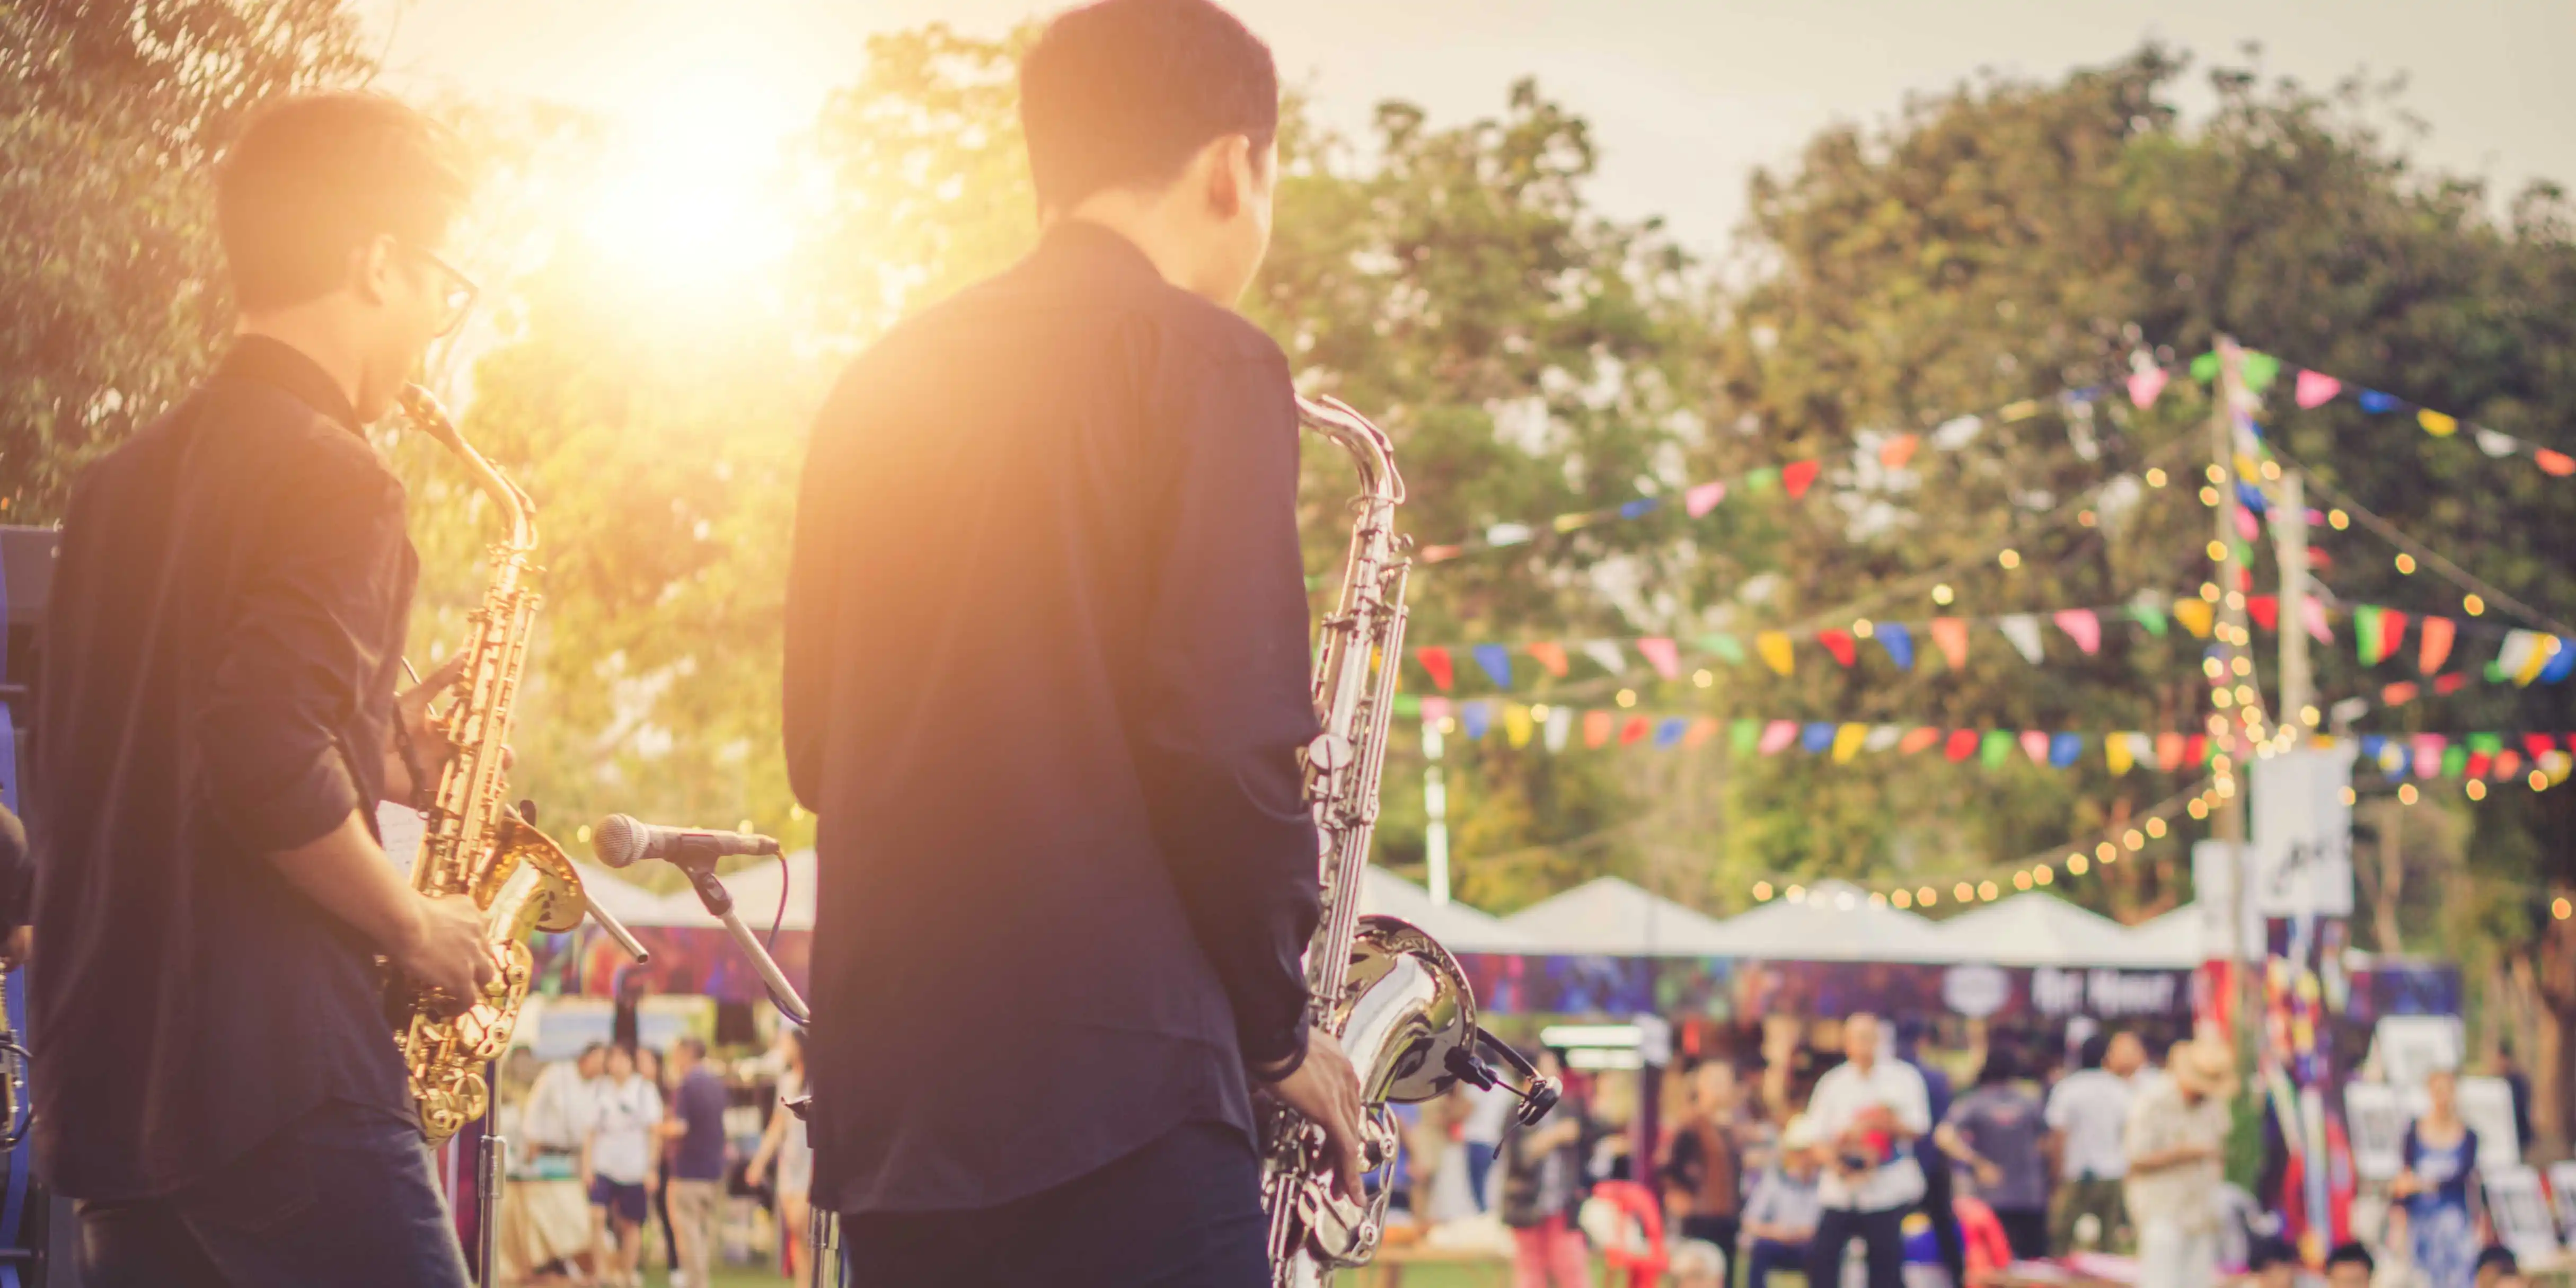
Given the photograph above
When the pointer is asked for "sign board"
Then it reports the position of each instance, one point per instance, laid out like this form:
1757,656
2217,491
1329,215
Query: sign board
2409,1047
2562,1196
2521,1214
2299,860
2486,1105
2376,1120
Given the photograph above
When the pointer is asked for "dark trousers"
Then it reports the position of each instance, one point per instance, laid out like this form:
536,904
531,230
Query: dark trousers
1184,1211
343,1197
1767,1255
2026,1229
1937,1206
1720,1230
1882,1238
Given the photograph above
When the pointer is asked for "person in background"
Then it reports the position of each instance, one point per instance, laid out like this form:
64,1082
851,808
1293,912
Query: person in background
1937,1189
1780,1214
1704,1169
2499,1268
545,1214
1697,1263
1870,1110
618,1163
1489,1113
2087,1112
2349,1265
2270,1262
2175,1138
1995,1132
2437,1185
694,1191
783,1145
2503,1065
648,1066
1542,1187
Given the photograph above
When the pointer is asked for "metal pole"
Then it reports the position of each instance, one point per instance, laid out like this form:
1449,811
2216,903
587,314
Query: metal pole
2227,727
487,1188
1435,804
2290,545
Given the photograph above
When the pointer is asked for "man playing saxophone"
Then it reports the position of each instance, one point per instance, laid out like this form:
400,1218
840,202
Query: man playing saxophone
1046,680
214,1081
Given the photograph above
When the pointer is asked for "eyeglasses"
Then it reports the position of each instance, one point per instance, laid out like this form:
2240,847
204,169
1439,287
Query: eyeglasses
458,299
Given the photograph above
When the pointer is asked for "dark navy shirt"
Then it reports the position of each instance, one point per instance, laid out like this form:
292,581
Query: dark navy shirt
221,653
1047,675
699,1104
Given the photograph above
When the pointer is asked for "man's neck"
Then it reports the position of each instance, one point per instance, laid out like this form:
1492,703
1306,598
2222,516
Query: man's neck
314,331
1142,223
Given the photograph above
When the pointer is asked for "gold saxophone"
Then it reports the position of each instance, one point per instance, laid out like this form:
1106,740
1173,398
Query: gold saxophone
1396,999
475,843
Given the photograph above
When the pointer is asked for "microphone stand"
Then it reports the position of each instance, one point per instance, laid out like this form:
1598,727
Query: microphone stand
697,857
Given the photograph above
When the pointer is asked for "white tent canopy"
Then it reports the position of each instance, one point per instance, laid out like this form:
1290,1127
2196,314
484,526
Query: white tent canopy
630,903
1459,928
2039,929
1834,922
1611,917
2175,940
754,889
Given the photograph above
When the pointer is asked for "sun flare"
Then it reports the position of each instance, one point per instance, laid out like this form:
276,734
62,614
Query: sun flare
689,194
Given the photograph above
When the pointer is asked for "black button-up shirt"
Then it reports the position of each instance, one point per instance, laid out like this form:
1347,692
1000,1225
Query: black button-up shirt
220,654
1047,673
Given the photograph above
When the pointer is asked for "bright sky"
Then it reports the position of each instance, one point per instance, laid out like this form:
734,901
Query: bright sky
1686,96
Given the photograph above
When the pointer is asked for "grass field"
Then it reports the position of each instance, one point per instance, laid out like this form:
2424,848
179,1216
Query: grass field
1417,1277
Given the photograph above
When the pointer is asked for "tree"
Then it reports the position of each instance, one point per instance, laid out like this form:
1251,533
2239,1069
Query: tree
114,112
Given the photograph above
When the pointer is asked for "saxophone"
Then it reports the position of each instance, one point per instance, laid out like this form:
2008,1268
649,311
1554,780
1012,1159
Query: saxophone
1394,997
475,843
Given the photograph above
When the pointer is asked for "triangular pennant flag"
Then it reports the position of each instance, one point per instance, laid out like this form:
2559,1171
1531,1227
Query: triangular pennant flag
2080,626
1847,741
1726,647
2497,445
2034,744
1817,736
2258,370
2539,744
1899,644
2366,641
1669,731
2064,748
2196,616
1701,730
2508,763
2115,753
1995,749
1435,710
2557,463
1560,725
2145,385
2265,610
2195,749
2479,761
1635,730
1962,744
1882,737
1477,717
1742,734
2521,657
1895,452
1508,534
1408,704
1796,476
2455,761
2316,389
1950,635
2486,742
1663,655
1436,661
1516,725
1639,508
1957,432
2562,659
1596,728
2314,611
1703,498
1917,739
1777,735
2373,401
1839,643
2436,423
1762,480
1606,655
2428,754
2205,367
2146,614
2169,751
2398,694
2434,643
2023,630
2246,527
1549,656
1495,660
1774,648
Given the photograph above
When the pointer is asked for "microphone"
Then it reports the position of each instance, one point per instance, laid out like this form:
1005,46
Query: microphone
620,841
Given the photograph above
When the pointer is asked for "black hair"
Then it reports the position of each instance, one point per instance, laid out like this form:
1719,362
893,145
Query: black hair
313,177
2351,1253
2500,1256
2270,1250
697,1045
1123,92
2096,1046
2002,1066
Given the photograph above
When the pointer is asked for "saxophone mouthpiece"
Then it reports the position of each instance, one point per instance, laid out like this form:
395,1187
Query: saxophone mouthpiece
426,413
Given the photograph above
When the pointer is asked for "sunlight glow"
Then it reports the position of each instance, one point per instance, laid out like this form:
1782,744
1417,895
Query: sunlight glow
689,197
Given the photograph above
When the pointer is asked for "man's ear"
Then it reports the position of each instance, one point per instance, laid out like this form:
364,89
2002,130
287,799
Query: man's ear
372,266
1228,161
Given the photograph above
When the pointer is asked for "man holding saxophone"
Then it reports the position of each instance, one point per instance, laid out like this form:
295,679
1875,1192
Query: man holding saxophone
214,1078
1046,679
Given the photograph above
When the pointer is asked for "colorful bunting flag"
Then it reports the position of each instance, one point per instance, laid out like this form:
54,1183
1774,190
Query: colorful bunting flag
2316,389
1774,648
1797,476
2436,423
1596,728
1477,717
2559,464
2146,614
2258,370
2495,444
1495,661
1882,737
1516,725
1636,728
1436,661
2434,643
1848,740
2373,401
1918,739
1606,655
1995,749
1895,452
2022,630
1950,635
1742,734
2064,748
1725,647
2116,753
2314,611
1698,501
1817,736
2196,615
2376,632
1669,731
2265,610
2034,744
2080,626
2145,385
1560,725
2562,659
2398,694
1663,655
1550,657
2522,656
1839,643
1899,644
1777,735
1701,730
2170,750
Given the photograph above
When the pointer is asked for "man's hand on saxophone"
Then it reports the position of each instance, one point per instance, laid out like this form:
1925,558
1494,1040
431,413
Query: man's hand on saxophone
419,751
1326,1089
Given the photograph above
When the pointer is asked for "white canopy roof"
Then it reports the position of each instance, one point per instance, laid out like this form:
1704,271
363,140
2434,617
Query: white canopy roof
754,889
2039,929
1459,928
1609,916
1834,922
628,902
2174,940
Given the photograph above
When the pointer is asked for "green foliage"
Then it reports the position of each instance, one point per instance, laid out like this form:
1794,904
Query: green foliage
109,115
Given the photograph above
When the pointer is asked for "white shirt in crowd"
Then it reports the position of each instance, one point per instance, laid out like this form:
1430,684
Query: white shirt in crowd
1489,1114
557,1111
1841,1096
2091,1106
621,1129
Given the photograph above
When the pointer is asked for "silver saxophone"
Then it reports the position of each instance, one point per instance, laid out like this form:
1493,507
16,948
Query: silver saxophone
1394,997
